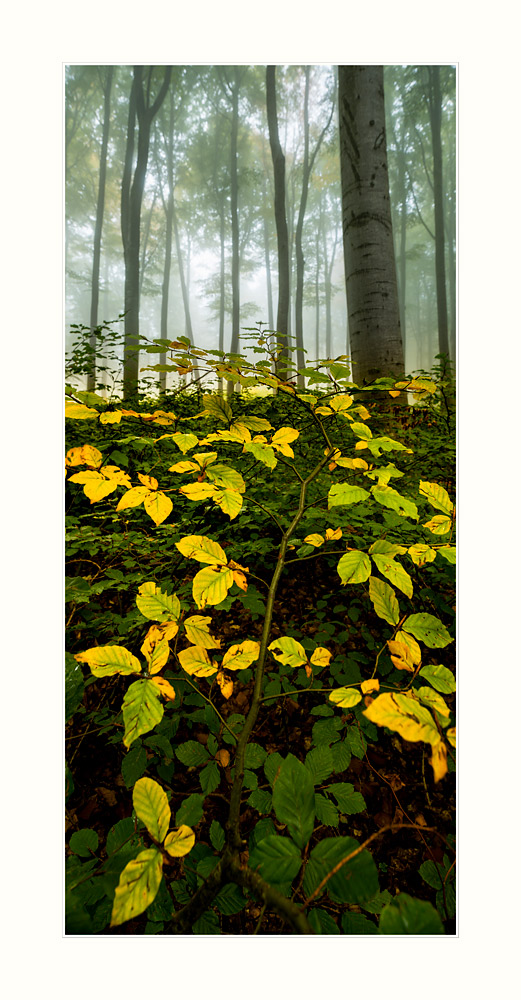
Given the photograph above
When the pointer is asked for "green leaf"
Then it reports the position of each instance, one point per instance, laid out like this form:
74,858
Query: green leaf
448,552
405,915
343,493
355,882
210,778
74,686
341,755
208,923
133,765
192,753
439,677
272,764
390,498
319,763
261,800
384,600
217,406
357,923
294,800
231,899
354,567
151,807
255,756
217,835
349,801
432,874
190,811
427,629
277,859
326,811
138,885
142,709
325,731
84,843
394,572
262,452
377,903
322,922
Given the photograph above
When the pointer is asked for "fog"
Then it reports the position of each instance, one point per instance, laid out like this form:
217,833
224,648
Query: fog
186,213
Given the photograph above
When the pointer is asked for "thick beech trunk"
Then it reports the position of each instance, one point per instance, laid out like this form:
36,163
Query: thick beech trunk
370,269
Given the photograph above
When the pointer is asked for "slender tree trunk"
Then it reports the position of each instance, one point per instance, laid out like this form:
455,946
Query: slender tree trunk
234,195
370,269
434,102
182,279
279,175
132,195
267,261
317,287
91,378
144,242
306,174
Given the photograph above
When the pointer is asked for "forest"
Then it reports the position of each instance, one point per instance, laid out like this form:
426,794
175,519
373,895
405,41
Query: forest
260,544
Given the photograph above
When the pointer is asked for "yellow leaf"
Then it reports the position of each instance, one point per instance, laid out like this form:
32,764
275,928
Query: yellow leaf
78,411
185,442
151,807
421,554
197,632
440,524
155,653
437,496
341,402
156,604
110,417
369,686
114,472
148,481
165,688
186,466
404,715
133,498
451,735
211,585
240,656
360,445
438,760
158,506
138,886
320,657
203,549
288,651
415,653
225,683
229,501
394,392
198,491
85,455
345,697
400,655
179,842
107,660
240,580
315,540
196,662
333,534
281,438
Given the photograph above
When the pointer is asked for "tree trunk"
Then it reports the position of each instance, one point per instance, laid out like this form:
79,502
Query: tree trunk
267,261
279,172
434,101
132,197
91,378
182,279
234,195
370,269
307,167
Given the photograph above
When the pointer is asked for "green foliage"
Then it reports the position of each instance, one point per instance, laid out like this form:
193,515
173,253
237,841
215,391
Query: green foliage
239,579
